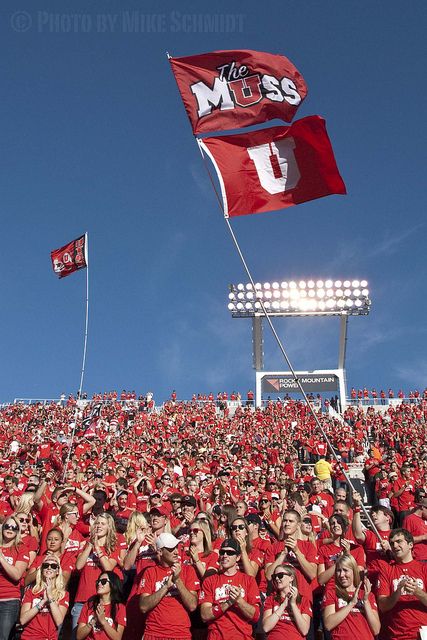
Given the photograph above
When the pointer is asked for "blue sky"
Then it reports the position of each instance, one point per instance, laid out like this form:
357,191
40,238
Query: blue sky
95,138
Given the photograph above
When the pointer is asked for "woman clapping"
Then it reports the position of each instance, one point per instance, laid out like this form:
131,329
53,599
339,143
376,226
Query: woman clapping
45,605
103,617
286,613
349,606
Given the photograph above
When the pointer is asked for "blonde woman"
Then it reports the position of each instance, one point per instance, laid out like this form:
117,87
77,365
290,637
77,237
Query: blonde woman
29,535
66,521
45,605
141,554
349,606
140,542
286,613
100,553
25,503
306,528
53,548
14,560
200,554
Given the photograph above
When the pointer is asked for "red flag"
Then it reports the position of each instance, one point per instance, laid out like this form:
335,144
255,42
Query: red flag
234,89
275,168
70,258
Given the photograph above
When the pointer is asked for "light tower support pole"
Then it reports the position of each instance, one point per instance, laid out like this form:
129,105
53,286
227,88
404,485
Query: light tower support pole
257,343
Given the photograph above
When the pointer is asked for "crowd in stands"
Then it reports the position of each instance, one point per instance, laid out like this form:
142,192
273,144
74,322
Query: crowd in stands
120,521
366,396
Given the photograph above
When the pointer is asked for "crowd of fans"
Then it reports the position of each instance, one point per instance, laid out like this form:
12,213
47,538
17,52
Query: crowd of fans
366,396
120,520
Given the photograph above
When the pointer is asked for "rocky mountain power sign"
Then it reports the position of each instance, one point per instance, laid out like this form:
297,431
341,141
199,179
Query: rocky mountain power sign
311,382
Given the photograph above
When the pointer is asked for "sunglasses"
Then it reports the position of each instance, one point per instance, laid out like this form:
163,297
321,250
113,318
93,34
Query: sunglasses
262,501
10,527
195,530
73,513
279,576
237,527
227,552
103,581
50,565
27,520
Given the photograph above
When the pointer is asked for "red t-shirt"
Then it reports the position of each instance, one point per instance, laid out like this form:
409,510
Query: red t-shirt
30,542
355,624
209,559
408,614
232,624
285,627
90,573
42,626
323,500
329,554
9,589
372,546
97,632
418,527
307,548
146,558
48,514
405,501
169,619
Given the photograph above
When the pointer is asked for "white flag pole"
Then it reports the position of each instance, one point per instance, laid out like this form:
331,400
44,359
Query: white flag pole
87,315
67,461
223,207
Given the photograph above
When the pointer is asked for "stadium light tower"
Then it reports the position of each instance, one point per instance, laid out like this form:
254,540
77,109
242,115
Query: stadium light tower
313,298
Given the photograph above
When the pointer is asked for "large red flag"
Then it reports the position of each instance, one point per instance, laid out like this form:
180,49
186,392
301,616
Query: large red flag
275,168
70,258
234,89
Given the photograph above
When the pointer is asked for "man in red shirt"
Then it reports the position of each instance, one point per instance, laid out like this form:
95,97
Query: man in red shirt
404,491
230,599
375,550
302,554
322,499
168,593
416,523
402,590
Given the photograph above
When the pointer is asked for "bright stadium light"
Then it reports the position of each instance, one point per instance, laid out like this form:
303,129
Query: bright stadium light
308,297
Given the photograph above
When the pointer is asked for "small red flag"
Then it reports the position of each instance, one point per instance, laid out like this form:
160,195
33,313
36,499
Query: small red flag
234,89
70,258
274,168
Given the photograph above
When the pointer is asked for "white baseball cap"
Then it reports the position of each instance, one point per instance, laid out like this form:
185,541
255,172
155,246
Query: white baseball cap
167,540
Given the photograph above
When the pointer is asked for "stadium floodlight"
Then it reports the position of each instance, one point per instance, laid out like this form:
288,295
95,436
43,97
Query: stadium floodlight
313,297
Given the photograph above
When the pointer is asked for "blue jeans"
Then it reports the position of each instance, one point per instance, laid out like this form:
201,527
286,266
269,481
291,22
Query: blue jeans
75,615
9,611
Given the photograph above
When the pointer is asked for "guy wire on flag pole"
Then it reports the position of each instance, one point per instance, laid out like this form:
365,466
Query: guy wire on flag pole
282,349
67,461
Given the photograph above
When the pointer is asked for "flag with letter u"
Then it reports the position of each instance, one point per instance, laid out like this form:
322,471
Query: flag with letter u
235,89
274,168
71,257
